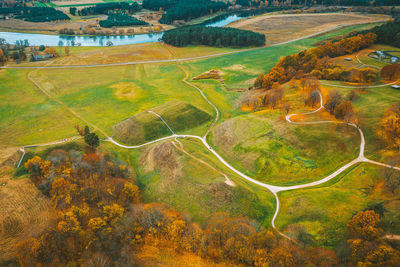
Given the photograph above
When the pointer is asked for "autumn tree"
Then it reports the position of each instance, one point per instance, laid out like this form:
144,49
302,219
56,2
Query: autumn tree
367,246
313,98
364,225
392,176
333,100
390,126
390,72
3,58
344,110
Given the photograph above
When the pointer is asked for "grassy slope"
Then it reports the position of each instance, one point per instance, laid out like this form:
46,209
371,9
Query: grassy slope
324,211
195,188
26,115
370,107
145,127
266,147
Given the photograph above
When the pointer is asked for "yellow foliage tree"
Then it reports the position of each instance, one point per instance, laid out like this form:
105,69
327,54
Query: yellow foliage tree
390,127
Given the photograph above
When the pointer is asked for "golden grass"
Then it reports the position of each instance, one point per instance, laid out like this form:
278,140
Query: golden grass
127,90
21,207
161,253
281,28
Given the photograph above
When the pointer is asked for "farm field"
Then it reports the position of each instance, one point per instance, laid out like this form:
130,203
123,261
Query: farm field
280,28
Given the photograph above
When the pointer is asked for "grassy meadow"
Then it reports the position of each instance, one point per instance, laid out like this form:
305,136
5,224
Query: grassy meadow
261,144
323,211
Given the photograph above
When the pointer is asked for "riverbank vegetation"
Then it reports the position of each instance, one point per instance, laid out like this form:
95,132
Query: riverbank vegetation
212,36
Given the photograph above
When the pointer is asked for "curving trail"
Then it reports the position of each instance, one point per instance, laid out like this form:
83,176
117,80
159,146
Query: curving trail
22,149
355,87
272,188
204,97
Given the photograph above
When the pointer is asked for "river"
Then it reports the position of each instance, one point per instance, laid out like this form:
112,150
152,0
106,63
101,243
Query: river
68,40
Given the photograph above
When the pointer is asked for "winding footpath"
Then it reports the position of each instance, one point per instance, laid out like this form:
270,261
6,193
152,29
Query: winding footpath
272,188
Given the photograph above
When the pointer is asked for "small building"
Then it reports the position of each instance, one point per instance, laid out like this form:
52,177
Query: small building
37,57
394,59
396,86
380,53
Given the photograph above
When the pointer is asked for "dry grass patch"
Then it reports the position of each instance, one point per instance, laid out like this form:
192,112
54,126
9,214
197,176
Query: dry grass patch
24,211
281,28
127,90
211,74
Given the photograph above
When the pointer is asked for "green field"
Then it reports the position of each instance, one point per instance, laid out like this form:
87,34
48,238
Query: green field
324,211
260,144
145,127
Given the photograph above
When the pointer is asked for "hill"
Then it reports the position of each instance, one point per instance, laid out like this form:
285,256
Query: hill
146,126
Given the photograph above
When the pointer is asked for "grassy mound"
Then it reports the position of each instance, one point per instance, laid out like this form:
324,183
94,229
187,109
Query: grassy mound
145,126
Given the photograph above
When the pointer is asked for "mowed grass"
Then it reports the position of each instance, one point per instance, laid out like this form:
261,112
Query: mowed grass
324,211
27,116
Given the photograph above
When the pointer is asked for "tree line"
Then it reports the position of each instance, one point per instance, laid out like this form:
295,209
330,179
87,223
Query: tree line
105,8
316,59
120,19
157,5
212,36
388,33
187,10
35,14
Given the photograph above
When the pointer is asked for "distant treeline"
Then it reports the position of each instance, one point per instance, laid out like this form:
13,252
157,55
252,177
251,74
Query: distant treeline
186,10
119,19
347,2
158,4
212,36
243,13
388,33
105,8
35,14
